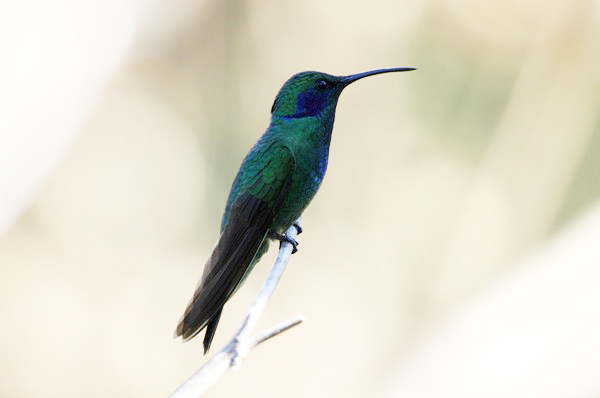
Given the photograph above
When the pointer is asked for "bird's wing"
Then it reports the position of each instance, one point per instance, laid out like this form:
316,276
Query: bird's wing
264,181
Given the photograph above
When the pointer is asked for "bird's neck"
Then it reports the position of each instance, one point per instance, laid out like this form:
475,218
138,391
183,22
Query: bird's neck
309,130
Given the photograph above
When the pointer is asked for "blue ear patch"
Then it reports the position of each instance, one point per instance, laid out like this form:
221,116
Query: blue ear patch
310,103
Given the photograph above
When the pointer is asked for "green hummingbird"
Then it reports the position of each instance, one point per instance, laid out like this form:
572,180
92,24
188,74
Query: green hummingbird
276,181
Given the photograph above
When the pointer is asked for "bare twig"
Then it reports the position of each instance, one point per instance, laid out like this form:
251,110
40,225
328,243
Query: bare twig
238,347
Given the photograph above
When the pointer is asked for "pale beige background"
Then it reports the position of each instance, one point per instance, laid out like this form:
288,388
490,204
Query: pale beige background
452,251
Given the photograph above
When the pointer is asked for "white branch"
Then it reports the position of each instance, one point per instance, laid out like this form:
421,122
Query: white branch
238,347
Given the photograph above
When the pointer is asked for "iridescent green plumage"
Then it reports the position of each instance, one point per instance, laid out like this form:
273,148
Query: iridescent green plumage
276,182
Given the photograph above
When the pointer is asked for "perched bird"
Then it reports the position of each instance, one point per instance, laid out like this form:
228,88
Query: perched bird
276,182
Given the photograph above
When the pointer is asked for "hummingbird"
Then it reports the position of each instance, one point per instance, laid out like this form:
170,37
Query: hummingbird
277,180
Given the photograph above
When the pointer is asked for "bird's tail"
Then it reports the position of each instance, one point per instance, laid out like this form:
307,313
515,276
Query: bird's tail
211,328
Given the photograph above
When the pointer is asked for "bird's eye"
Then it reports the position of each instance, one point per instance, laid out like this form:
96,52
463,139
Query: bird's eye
323,84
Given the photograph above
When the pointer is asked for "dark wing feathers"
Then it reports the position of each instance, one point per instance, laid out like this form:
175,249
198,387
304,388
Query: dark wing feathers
230,259
247,226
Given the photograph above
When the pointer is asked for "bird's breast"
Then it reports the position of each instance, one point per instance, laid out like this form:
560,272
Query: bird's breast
305,182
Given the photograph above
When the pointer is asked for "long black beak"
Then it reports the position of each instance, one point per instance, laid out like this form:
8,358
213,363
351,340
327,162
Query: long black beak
352,78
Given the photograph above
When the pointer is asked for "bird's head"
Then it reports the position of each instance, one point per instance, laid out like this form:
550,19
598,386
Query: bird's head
315,93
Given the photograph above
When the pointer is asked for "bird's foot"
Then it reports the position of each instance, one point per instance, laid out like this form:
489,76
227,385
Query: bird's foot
284,238
298,227
291,241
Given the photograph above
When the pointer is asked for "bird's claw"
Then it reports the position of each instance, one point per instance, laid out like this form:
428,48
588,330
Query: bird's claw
293,242
298,227
284,238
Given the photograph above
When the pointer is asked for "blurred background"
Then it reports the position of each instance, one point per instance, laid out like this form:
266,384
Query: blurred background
452,250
